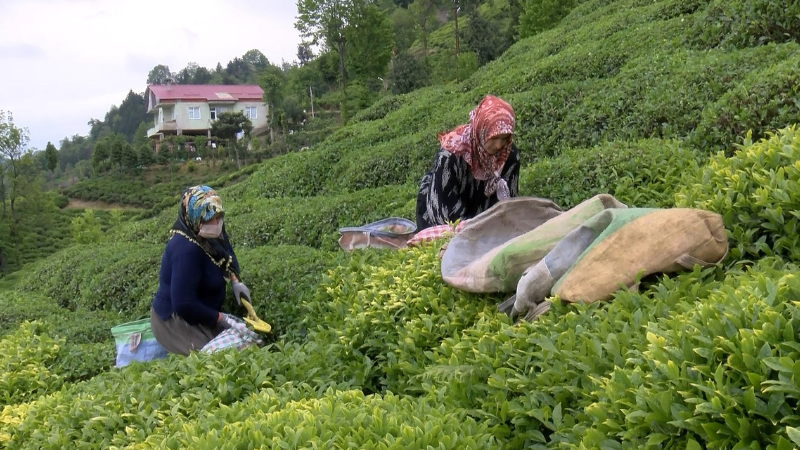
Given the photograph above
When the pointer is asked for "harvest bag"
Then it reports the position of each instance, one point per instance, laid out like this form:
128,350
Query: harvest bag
232,338
615,247
135,342
392,233
491,253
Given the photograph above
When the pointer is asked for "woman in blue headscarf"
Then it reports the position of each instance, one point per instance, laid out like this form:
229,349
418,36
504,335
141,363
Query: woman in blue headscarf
196,266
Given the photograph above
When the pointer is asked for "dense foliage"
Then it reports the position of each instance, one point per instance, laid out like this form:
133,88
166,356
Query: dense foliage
651,101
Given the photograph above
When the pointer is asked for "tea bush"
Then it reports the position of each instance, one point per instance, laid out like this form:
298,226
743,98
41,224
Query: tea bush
81,326
376,318
641,174
25,356
756,192
746,24
767,99
372,349
281,279
116,277
718,372
313,221
339,419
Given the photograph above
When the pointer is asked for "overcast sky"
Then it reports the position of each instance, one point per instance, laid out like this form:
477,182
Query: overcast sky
63,62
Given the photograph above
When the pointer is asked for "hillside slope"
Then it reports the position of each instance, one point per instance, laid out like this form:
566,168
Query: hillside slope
373,350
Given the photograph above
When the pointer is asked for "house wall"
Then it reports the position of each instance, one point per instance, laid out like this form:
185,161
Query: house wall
182,120
179,112
261,119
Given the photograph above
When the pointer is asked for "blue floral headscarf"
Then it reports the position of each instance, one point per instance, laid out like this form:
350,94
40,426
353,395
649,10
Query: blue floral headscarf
199,204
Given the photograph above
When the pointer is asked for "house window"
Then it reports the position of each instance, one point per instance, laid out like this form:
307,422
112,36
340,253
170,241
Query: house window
194,112
216,111
251,112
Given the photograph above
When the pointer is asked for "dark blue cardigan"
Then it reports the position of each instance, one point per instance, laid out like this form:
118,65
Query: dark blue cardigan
189,283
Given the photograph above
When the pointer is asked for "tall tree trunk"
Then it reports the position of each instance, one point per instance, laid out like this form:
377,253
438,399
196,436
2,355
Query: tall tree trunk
13,232
236,151
455,16
3,195
271,124
342,70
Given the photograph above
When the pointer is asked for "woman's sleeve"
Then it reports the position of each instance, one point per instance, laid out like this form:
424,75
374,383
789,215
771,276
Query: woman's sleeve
444,197
511,172
183,290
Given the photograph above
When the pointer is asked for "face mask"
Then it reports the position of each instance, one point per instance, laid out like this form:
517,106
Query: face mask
210,231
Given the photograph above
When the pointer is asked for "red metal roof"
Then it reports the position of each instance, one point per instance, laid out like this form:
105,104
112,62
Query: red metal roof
210,92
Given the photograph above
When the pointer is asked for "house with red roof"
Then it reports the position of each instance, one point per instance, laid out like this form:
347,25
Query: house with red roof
185,109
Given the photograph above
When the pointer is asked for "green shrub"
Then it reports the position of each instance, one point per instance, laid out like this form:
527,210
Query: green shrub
756,192
720,372
280,280
25,357
347,419
314,221
641,174
747,23
114,277
765,100
377,317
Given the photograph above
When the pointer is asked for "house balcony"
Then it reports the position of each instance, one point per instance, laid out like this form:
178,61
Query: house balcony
168,127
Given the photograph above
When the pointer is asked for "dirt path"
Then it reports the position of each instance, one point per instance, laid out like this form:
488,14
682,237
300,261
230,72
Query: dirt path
75,203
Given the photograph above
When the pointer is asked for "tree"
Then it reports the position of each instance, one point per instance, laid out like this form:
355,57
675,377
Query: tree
163,157
140,135
187,74
486,38
159,75
202,76
51,154
130,158
126,119
541,15
408,74
146,156
304,53
3,187
238,70
458,5
117,149
200,142
13,145
324,22
86,229
405,29
228,125
100,154
272,83
424,14
370,37
256,60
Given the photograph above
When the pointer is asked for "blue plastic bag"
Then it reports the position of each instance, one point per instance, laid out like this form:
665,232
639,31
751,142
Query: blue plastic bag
135,342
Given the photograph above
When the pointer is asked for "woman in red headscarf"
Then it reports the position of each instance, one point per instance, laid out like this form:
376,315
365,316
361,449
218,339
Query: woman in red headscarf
476,167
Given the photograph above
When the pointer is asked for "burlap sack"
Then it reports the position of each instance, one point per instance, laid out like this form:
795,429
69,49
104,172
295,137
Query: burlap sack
662,241
491,253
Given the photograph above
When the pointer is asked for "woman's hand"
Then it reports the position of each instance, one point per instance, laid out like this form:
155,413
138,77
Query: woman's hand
239,291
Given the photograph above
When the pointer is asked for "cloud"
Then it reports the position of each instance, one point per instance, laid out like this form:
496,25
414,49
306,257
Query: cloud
191,36
73,59
141,64
21,51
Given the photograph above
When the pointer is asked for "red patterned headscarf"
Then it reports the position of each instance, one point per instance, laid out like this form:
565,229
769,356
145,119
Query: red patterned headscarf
492,116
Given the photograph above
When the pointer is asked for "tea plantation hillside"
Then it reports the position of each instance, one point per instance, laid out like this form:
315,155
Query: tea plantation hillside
688,103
